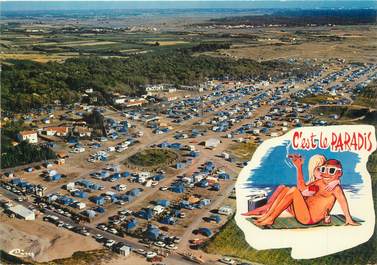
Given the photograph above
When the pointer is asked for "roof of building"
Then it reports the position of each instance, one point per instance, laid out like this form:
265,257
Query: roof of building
21,210
24,133
60,129
81,129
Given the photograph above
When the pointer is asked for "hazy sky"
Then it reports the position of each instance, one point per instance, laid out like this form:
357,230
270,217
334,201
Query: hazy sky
33,5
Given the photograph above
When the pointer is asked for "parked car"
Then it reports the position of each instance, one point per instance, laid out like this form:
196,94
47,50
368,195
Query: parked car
150,255
227,260
159,244
98,237
140,251
109,243
171,247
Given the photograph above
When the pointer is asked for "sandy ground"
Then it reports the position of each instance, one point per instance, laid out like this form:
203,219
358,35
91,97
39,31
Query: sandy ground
357,44
43,239
133,259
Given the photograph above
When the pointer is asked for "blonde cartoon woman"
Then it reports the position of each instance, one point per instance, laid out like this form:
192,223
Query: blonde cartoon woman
312,209
314,165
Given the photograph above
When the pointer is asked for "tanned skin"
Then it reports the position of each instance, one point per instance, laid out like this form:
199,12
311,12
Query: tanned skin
308,210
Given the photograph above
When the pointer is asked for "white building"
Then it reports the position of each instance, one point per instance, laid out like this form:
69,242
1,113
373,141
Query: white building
212,143
70,186
120,100
80,205
22,212
158,209
225,210
151,88
30,136
58,131
124,251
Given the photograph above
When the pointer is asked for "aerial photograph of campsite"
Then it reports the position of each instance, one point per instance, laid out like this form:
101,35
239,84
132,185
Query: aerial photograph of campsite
125,125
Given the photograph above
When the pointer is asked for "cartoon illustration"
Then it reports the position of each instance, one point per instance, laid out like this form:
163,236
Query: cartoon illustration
320,196
309,193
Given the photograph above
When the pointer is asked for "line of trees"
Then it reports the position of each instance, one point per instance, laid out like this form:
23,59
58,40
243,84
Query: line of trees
22,153
25,153
29,85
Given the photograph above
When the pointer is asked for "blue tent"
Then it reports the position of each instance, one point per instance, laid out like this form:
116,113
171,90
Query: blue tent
127,198
168,220
104,174
158,177
205,231
176,146
134,192
148,214
55,177
216,186
84,182
194,154
152,232
224,176
80,194
178,188
15,181
98,200
185,204
95,186
72,140
208,166
164,203
205,202
22,184
90,213
130,224
100,209
114,198
65,200
180,165
126,174
203,183
116,176
164,145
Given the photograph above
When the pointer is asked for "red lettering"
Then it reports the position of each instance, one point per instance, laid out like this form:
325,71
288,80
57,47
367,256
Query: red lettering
296,137
323,141
334,140
354,141
313,143
339,145
347,140
360,141
370,142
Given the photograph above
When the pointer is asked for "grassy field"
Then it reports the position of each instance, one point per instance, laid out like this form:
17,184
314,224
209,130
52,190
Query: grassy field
166,43
353,43
344,112
368,97
37,57
153,158
317,99
242,151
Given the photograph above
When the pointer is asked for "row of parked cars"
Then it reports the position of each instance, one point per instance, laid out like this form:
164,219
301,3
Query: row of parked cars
60,223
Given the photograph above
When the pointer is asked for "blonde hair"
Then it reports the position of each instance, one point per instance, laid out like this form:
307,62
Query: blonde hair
314,162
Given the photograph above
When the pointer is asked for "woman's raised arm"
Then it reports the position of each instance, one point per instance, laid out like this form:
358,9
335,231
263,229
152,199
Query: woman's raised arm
298,161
